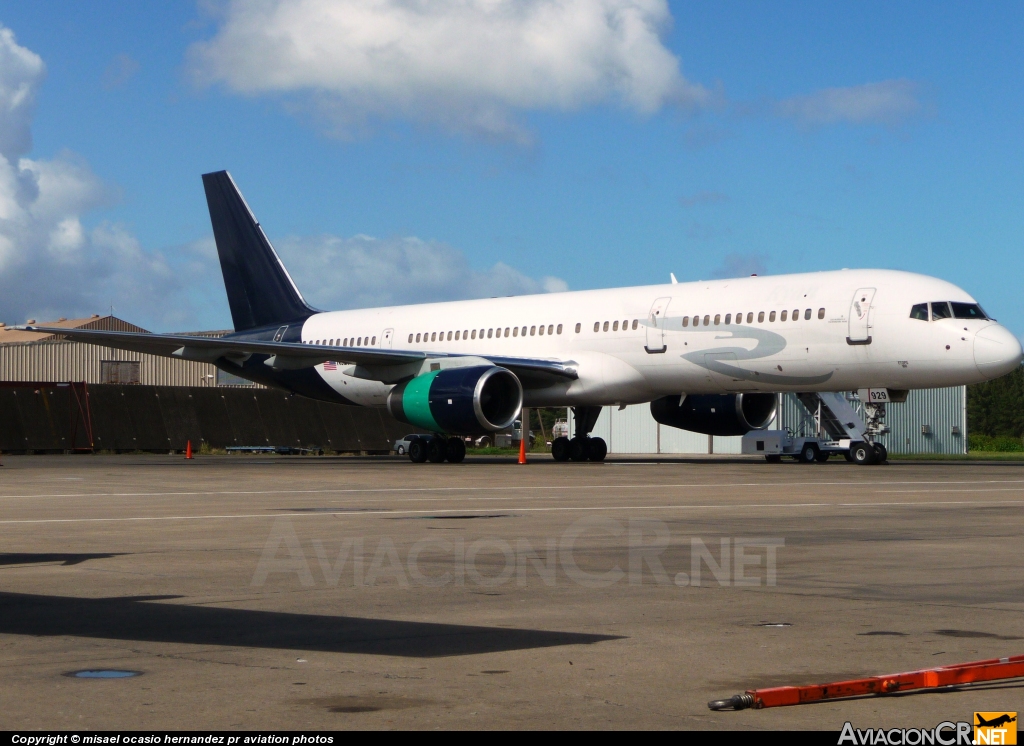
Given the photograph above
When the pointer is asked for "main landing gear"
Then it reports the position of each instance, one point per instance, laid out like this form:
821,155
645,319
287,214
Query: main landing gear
580,448
437,449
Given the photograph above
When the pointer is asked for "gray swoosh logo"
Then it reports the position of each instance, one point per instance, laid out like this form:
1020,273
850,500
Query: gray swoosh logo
768,344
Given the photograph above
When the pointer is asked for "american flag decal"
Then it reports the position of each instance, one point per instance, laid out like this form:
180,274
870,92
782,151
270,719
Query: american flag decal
330,365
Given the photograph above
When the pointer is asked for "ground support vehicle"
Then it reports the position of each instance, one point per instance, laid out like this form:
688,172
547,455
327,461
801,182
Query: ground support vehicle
835,427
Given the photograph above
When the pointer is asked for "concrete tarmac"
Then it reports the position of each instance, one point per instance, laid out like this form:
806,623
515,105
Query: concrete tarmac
339,592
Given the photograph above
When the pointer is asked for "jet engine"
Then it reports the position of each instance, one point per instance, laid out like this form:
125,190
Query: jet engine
716,414
459,401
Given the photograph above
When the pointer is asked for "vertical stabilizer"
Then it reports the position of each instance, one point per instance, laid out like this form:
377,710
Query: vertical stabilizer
260,291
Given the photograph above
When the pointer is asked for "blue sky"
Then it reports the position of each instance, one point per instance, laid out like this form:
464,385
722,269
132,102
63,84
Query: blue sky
719,139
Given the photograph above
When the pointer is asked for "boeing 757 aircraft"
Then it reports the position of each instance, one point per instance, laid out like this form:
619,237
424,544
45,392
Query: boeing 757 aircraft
709,356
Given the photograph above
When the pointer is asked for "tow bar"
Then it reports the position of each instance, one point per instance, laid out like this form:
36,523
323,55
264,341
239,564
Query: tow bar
993,669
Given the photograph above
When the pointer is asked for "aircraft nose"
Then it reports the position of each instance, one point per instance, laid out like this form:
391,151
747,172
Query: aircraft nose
996,351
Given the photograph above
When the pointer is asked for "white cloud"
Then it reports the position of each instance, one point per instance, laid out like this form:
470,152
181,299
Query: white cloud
888,102
20,74
465,65
362,271
50,264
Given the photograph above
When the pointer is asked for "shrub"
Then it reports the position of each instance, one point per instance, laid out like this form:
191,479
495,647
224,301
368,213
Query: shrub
999,444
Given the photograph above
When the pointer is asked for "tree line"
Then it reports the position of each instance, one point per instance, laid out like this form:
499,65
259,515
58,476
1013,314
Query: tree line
995,412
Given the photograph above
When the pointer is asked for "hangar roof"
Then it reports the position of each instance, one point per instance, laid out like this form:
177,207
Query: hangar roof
108,323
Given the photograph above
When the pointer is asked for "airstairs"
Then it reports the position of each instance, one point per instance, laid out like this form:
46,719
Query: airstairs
834,425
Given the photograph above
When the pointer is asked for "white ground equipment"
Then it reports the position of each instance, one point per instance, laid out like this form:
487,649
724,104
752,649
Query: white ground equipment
834,427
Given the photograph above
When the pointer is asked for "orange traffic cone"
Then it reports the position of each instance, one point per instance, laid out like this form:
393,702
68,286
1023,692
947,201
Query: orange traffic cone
522,451
188,449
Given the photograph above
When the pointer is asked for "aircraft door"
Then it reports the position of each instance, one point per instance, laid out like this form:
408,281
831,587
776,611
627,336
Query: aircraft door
387,338
860,312
280,334
656,326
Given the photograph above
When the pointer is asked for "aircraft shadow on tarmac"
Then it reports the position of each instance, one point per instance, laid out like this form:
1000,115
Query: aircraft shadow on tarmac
30,558
136,618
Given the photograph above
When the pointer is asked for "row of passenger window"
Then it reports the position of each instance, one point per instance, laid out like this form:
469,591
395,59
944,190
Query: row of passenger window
513,331
345,342
947,310
782,316
614,325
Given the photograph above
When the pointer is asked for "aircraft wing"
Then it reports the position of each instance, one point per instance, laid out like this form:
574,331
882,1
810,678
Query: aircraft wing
294,355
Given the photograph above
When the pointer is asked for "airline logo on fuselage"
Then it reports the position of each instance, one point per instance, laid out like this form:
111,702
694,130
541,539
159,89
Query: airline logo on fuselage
719,359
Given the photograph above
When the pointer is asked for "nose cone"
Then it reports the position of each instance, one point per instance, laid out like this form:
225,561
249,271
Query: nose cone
996,351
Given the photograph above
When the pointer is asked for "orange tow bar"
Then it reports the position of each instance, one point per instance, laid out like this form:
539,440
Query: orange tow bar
975,672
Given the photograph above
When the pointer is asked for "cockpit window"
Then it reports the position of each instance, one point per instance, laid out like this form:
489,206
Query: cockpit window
967,310
940,310
919,311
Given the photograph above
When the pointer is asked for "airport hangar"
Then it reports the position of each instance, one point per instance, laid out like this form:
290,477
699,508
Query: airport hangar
57,395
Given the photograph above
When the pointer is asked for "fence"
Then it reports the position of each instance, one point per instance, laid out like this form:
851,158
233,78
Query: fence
43,418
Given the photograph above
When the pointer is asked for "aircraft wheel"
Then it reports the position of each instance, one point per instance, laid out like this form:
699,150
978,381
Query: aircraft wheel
456,450
848,456
597,449
773,458
863,454
823,456
437,449
578,449
809,453
881,453
418,451
560,449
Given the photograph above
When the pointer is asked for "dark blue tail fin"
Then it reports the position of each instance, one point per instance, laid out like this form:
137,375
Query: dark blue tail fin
260,291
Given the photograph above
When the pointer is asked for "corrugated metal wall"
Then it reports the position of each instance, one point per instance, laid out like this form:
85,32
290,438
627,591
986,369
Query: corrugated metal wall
634,430
943,411
75,361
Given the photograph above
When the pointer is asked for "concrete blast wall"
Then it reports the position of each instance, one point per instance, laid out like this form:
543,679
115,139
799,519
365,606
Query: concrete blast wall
161,418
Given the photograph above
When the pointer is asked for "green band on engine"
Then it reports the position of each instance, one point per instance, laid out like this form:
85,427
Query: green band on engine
416,402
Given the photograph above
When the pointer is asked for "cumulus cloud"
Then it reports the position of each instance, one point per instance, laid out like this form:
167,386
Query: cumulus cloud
742,265
362,271
50,264
465,65
887,102
21,71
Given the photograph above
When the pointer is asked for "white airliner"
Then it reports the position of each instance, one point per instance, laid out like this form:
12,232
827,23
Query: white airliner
709,356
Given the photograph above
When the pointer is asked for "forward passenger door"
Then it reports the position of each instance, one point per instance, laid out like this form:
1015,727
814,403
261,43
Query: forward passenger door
860,312
656,326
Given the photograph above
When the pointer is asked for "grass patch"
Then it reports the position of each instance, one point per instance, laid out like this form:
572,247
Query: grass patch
973,456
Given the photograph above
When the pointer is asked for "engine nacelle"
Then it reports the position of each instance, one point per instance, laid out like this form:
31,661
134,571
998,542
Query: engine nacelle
459,401
716,414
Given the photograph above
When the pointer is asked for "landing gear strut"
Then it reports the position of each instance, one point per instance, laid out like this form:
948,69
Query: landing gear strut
582,447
